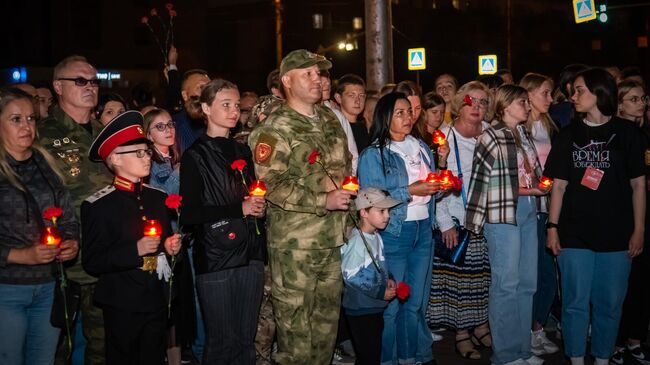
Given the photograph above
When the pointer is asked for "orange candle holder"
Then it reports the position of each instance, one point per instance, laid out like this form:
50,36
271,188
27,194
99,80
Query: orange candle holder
350,183
433,177
439,138
152,228
258,188
446,179
545,182
51,236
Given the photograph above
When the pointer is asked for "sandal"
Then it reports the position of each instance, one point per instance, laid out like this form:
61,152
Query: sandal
467,351
478,341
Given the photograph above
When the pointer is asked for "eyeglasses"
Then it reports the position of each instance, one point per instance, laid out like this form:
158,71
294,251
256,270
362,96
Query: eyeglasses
81,81
637,99
482,103
139,153
161,127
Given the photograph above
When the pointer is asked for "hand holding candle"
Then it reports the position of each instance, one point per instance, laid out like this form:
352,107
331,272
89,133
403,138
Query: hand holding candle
545,183
439,138
51,236
350,183
258,188
152,228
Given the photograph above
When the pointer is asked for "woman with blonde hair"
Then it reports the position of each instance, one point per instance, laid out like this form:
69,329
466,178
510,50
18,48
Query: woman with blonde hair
632,101
540,129
29,184
459,292
502,205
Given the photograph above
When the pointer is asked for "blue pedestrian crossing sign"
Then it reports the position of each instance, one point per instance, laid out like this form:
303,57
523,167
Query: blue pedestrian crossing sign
584,10
417,59
487,64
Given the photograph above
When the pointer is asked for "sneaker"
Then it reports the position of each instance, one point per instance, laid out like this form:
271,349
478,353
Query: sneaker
342,358
534,360
541,345
640,354
618,358
436,337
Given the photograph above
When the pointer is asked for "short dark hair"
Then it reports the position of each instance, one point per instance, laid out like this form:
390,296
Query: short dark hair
192,72
602,84
211,89
348,79
104,98
273,80
568,75
503,71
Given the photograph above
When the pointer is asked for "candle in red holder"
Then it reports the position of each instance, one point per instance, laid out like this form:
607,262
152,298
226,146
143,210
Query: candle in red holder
545,182
446,179
433,177
51,236
152,228
350,183
438,137
258,188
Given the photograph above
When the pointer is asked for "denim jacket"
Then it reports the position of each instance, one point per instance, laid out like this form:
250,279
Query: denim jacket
164,176
395,181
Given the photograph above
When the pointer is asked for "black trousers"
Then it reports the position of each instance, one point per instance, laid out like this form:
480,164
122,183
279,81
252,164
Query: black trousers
366,333
135,338
230,302
636,308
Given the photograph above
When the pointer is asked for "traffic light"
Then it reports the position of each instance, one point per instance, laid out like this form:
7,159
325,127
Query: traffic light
602,13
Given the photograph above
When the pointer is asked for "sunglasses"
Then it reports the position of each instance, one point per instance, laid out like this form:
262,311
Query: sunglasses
80,81
139,153
161,127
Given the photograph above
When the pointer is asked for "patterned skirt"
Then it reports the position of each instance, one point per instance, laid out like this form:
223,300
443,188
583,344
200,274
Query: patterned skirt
459,293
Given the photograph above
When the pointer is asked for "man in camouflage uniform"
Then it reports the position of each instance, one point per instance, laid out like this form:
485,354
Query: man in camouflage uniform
68,133
307,213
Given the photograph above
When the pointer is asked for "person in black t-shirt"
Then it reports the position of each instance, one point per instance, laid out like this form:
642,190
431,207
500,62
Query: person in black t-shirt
596,218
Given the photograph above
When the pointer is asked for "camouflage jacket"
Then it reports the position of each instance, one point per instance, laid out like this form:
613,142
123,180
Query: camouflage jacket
297,191
69,143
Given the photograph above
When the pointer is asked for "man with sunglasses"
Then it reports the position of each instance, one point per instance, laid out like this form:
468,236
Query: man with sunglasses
67,133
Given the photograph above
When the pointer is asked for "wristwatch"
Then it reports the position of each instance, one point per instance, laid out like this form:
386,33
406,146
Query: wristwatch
550,225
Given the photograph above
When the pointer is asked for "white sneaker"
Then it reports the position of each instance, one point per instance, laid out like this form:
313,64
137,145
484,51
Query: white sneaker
436,337
534,360
541,345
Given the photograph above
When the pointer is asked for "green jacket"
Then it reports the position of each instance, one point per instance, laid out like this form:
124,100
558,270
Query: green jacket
69,143
297,190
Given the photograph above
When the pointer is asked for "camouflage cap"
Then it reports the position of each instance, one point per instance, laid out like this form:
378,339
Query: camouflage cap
302,58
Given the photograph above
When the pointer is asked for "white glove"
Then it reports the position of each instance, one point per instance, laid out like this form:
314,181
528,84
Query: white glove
163,270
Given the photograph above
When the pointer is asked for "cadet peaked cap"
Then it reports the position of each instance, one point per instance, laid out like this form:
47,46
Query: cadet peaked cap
373,197
302,58
125,129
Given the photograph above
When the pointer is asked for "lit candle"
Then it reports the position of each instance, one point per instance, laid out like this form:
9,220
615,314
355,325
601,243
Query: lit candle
433,177
258,188
446,179
438,137
350,183
152,228
545,182
51,236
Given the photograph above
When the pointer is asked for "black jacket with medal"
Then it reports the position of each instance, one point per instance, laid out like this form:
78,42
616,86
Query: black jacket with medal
112,224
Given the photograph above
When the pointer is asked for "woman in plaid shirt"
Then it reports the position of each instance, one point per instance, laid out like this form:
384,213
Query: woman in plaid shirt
501,203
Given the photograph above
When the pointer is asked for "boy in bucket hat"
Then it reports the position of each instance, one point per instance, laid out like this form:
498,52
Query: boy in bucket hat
130,265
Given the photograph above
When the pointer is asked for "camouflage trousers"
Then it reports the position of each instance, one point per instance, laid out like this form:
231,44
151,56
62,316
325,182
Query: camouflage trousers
92,323
306,296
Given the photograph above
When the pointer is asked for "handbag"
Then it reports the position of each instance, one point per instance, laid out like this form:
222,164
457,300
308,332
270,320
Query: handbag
454,255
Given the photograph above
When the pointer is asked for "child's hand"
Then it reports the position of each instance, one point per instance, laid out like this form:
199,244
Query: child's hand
390,290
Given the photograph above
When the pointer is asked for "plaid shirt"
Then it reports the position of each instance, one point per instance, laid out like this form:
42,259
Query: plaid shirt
494,185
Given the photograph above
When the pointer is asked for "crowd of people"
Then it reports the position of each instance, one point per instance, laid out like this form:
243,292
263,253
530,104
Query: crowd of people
160,250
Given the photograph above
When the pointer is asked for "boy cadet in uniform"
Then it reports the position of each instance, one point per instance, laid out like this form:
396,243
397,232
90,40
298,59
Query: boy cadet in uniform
307,213
130,266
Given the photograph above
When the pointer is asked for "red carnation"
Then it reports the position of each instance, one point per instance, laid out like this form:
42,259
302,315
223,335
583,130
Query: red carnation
173,201
52,213
403,291
144,20
313,156
467,100
172,13
153,12
169,6
238,165
457,183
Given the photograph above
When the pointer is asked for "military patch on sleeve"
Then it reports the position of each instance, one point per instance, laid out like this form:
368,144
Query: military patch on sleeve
264,148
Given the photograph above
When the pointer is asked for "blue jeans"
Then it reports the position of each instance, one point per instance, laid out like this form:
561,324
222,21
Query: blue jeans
596,280
27,335
546,279
513,260
406,338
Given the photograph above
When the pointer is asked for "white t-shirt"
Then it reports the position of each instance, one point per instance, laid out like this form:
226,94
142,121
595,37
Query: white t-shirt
542,141
352,145
410,151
